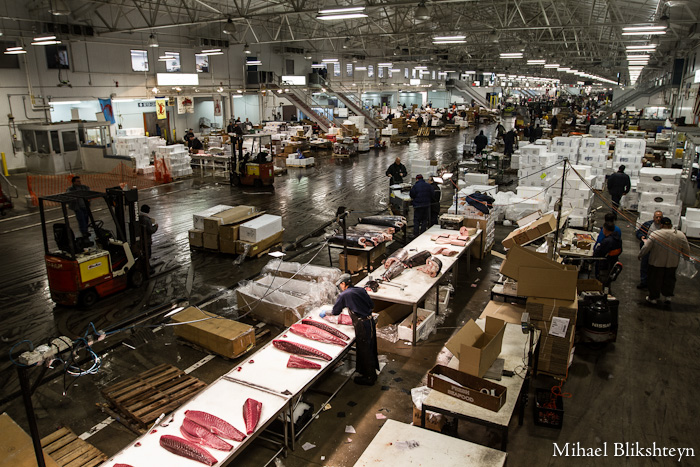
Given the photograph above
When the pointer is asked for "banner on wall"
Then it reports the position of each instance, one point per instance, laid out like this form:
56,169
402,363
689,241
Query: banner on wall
161,112
106,106
217,106
185,104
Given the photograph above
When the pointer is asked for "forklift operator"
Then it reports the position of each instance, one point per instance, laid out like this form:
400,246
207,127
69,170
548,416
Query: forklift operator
79,206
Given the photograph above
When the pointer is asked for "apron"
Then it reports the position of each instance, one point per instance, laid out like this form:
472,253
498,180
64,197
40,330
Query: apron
365,345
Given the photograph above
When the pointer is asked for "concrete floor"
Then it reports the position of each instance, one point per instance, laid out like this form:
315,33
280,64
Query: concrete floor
631,391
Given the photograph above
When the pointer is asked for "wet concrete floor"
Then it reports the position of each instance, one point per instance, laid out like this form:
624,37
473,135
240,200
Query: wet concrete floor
637,390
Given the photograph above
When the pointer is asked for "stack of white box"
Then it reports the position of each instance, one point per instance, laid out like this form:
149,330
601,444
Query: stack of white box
534,158
658,191
690,224
577,196
363,143
630,201
597,131
177,159
138,147
566,147
131,132
528,199
629,152
423,167
593,152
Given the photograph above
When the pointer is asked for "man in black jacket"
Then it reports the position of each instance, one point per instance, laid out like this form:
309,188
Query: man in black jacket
435,206
396,172
422,195
509,142
481,141
618,184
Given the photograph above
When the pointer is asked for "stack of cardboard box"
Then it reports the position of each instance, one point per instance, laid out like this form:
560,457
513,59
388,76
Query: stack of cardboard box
400,124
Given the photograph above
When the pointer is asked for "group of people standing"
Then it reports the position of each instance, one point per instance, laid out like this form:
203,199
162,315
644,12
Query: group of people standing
425,196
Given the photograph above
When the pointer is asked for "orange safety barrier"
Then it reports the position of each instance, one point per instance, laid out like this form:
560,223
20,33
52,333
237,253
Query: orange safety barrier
122,175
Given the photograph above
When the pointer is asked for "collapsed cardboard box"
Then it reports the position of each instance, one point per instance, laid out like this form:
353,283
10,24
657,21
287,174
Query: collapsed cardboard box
467,387
507,312
223,336
16,448
477,349
542,310
358,262
390,313
555,354
531,231
538,276
229,216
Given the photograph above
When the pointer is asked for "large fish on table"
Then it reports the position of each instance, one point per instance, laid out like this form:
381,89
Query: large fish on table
431,267
393,271
349,240
418,259
251,414
300,349
325,327
184,448
198,434
215,425
298,362
398,256
375,228
390,221
316,334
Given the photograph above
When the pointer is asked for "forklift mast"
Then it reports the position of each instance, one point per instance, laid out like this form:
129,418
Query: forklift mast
125,203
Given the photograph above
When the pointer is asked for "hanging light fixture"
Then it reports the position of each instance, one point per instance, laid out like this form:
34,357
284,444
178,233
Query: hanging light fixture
152,41
59,8
422,12
246,49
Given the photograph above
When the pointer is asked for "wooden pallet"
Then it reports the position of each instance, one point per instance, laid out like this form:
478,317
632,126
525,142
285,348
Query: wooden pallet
64,447
159,390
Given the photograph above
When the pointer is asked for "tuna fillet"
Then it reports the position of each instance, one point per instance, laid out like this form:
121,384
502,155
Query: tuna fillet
300,349
342,319
200,435
316,334
184,448
215,425
325,327
298,362
251,414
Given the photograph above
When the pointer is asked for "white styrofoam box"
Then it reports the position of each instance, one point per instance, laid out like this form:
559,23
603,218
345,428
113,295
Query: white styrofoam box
690,228
476,179
595,143
580,212
546,159
533,149
577,203
260,228
597,131
655,198
405,328
563,141
659,175
661,188
630,144
584,170
575,183
198,219
574,193
530,192
490,190
669,209
307,161
692,214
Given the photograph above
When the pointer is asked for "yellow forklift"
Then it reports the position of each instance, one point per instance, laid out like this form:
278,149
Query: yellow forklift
80,271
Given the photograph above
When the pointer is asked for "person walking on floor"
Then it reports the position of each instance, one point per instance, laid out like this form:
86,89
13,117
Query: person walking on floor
619,184
396,172
509,140
481,141
664,247
79,206
422,195
435,206
553,122
148,227
360,305
642,234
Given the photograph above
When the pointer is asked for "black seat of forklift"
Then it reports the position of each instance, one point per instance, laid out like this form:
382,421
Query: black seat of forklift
64,238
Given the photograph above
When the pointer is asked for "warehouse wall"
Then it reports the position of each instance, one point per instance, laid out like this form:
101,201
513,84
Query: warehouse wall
689,88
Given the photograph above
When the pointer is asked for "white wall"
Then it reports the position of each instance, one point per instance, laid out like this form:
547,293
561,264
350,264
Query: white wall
247,106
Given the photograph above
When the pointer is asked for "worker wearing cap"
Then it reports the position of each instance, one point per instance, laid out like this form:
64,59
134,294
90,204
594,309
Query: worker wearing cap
422,195
356,299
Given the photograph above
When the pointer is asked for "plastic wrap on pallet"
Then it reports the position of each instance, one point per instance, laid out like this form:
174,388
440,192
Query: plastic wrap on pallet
316,293
308,272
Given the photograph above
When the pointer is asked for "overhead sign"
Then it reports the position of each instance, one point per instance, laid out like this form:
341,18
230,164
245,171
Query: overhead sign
178,79
161,112
292,80
414,82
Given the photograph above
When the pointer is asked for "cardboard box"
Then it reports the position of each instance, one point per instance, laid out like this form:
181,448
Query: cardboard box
542,310
507,312
220,335
358,261
475,348
196,237
211,241
468,388
198,219
426,322
538,276
260,228
228,238
555,354
532,231
16,448
229,216
390,313
257,248
433,420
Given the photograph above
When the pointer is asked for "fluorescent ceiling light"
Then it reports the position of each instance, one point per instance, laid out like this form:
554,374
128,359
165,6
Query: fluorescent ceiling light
449,42
638,47
360,68
237,96
321,65
329,60
342,16
253,62
46,43
214,53
209,51
551,65
449,38
643,33
536,62
421,67
469,72
393,70
64,102
449,71
385,64
341,10
45,38
644,28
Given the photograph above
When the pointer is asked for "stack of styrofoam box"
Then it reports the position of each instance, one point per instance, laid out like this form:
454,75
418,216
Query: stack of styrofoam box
515,160
177,159
138,147
658,191
690,224
363,143
528,199
358,121
131,132
566,147
594,153
597,131
630,201
577,196
423,167
629,152
476,179
294,162
533,158
390,130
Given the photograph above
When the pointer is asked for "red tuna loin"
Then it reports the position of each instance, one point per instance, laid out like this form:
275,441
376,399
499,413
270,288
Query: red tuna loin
300,349
316,334
251,414
298,362
184,448
325,327
200,435
215,425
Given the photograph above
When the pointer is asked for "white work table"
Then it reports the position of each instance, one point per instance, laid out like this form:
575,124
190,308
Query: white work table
429,448
414,285
514,352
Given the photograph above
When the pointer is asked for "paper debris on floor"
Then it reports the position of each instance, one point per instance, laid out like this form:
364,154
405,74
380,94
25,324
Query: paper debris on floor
350,429
306,446
380,416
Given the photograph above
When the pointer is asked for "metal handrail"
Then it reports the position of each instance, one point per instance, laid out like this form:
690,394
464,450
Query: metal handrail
8,186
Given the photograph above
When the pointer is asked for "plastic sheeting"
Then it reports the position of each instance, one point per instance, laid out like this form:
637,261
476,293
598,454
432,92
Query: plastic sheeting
520,207
302,271
316,293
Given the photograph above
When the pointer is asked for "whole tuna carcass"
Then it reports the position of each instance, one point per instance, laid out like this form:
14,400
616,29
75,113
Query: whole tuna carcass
432,266
214,424
399,256
349,240
251,414
315,334
298,362
376,239
184,448
393,271
325,327
372,227
418,259
391,221
341,319
300,349
198,434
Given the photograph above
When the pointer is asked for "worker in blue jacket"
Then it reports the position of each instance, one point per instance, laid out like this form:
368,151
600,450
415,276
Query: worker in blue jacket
422,195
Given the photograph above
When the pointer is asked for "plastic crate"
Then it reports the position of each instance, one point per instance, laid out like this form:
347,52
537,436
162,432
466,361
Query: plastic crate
544,415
